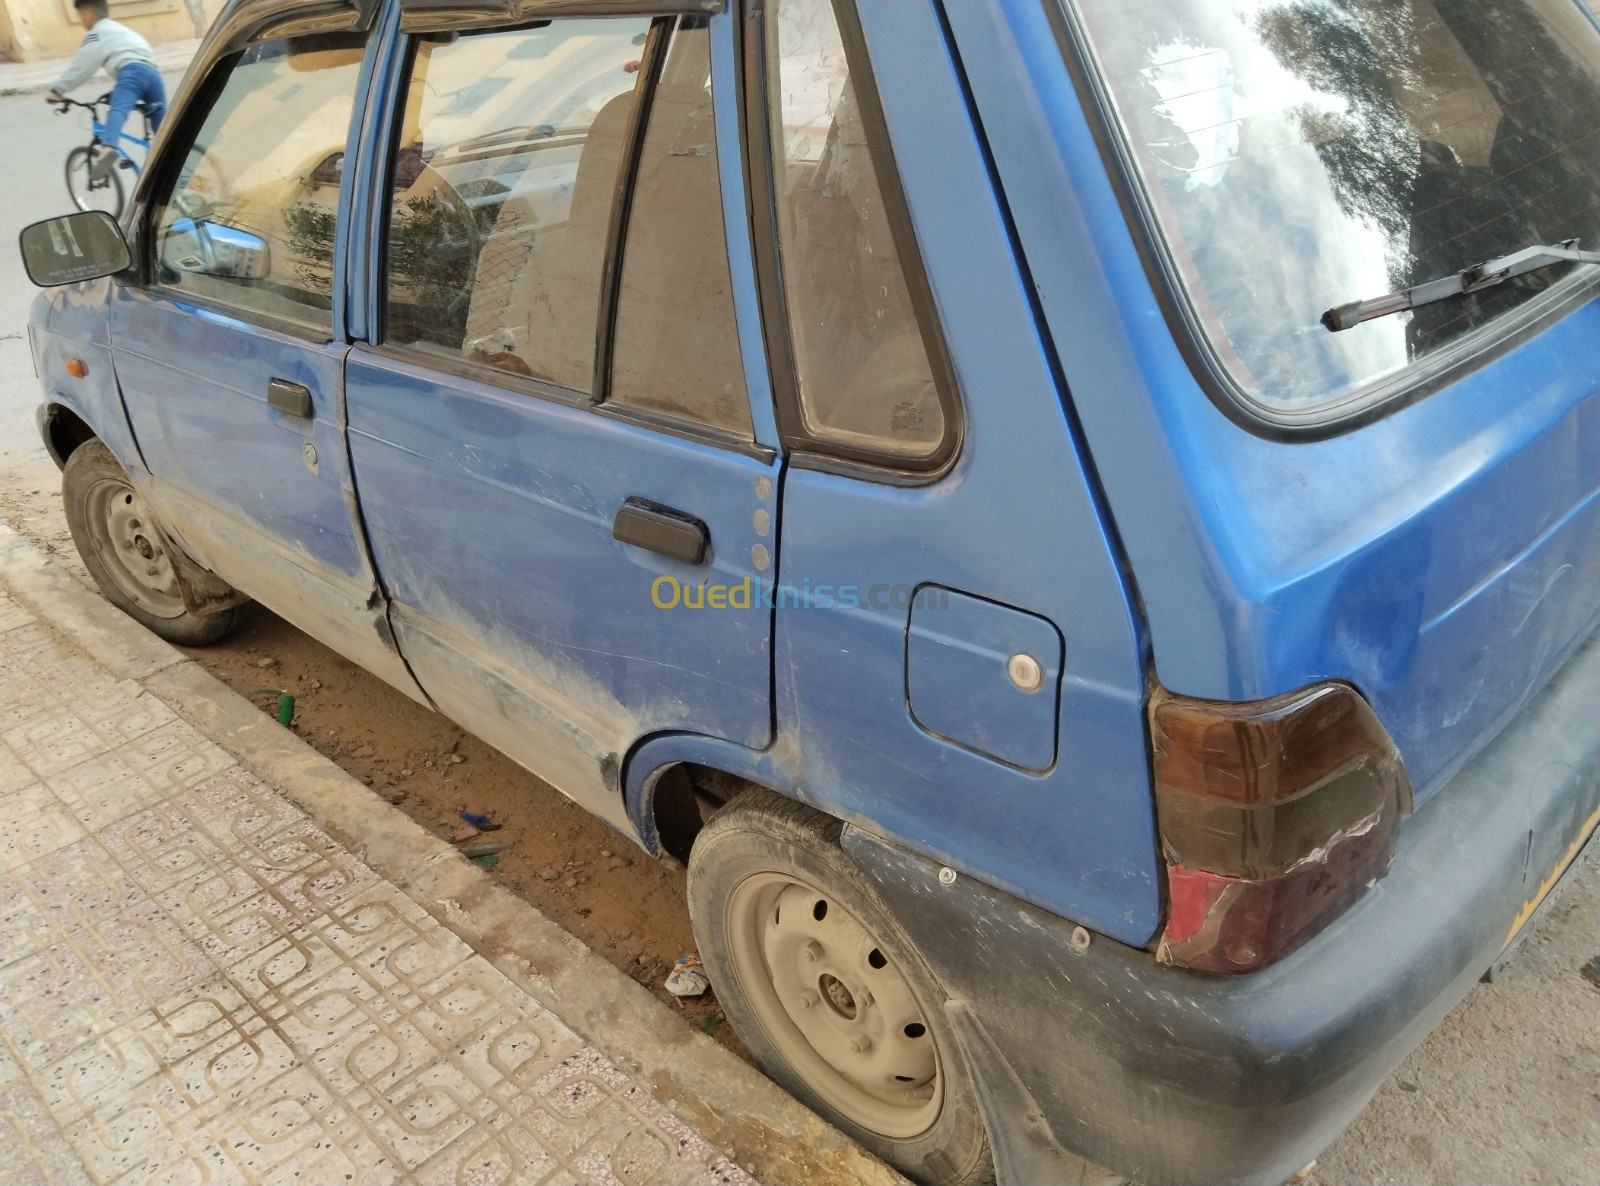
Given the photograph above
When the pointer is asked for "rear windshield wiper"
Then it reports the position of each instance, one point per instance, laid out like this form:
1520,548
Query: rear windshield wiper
1484,275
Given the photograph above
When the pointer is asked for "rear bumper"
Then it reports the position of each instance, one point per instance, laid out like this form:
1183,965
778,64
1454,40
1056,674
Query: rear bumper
1172,1077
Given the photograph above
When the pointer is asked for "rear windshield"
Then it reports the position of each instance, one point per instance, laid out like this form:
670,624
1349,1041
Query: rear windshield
1299,156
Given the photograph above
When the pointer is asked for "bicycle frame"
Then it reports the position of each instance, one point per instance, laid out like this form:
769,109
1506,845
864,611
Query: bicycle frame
98,128
123,138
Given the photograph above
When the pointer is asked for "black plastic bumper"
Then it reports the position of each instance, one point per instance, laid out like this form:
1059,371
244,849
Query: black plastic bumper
1168,1076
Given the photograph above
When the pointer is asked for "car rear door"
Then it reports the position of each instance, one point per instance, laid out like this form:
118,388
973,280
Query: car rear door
231,358
564,486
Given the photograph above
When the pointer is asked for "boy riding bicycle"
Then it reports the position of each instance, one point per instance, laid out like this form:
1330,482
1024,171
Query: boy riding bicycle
128,58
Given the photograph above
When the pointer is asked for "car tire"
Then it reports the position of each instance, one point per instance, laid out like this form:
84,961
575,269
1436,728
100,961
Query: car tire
827,992
126,552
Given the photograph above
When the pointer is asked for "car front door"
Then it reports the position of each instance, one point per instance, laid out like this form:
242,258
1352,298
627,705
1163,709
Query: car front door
231,358
550,428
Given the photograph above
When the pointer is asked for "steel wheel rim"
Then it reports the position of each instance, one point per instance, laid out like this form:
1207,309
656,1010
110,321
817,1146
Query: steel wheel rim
835,1005
131,548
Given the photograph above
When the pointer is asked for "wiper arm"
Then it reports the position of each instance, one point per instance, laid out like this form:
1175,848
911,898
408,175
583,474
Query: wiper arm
1475,279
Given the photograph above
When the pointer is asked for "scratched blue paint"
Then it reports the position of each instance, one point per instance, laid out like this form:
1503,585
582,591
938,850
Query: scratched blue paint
1443,559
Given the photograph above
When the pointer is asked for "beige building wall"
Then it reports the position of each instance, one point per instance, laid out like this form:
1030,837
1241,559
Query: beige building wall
36,30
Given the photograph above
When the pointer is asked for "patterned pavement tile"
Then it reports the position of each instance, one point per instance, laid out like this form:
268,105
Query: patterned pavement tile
175,757
32,1151
23,927
78,885
199,986
52,742
102,790
54,1003
14,774
37,824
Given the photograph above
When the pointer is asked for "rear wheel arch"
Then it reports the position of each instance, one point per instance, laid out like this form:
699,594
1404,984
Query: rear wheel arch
672,783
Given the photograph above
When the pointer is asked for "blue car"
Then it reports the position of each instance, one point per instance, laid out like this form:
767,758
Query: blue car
1078,521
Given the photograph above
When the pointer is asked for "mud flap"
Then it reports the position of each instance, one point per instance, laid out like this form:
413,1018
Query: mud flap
1025,1149
204,592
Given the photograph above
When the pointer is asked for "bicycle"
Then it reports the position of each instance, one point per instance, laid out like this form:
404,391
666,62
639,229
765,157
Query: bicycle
106,192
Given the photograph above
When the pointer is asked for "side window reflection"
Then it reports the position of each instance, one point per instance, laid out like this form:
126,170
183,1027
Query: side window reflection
250,219
511,144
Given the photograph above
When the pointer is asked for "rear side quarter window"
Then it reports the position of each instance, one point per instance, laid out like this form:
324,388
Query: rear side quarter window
869,382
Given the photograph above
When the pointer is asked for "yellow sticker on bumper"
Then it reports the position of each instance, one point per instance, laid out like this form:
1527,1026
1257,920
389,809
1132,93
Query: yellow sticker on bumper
1549,883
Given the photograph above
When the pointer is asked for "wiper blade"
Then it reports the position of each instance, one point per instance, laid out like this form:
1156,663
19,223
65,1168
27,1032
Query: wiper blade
1475,279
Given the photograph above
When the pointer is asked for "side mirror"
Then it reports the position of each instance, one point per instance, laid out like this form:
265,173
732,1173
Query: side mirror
73,248
213,249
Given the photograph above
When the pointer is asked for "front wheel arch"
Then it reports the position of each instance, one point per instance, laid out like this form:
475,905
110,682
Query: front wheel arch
64,432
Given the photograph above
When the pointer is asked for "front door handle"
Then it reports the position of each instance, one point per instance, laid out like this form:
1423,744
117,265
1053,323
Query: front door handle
662,530
293,399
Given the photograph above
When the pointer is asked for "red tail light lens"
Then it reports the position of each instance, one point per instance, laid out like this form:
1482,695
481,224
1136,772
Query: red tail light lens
1275,816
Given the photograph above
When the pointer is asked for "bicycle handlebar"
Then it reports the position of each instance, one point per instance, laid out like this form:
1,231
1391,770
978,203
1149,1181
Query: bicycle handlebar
62,104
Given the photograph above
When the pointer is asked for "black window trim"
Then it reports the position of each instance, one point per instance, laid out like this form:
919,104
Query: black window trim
806,450
664,17
1373,401
662,30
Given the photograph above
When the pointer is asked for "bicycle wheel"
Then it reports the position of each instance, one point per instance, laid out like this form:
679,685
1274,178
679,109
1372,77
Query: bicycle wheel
87,192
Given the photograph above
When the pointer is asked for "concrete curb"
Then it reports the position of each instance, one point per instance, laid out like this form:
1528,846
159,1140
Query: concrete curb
734,1106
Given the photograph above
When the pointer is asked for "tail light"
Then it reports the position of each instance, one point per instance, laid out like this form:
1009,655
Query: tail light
1275,816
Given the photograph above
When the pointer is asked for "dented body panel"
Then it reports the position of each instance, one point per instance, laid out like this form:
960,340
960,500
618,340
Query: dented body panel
1176,1078
1110,533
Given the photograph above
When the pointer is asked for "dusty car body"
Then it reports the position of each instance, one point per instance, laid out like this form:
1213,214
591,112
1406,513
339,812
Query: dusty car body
912,457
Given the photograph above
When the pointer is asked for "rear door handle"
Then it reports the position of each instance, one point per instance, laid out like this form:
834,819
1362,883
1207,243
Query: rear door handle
291,398
662,530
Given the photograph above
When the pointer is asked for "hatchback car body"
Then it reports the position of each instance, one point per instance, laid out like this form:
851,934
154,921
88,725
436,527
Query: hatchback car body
945,471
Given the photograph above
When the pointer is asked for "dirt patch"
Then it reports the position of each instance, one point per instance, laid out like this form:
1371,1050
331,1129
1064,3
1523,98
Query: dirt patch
578,872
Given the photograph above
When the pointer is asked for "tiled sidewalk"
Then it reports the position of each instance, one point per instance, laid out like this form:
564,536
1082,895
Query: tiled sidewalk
197,985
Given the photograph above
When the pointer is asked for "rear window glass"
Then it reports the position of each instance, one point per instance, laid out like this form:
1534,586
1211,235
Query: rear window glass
1301,156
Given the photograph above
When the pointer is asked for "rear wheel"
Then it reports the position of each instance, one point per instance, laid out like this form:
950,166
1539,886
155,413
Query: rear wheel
125,550
89,192
827,992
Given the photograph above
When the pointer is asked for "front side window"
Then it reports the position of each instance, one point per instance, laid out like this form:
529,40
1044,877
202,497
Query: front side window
510,149
1301,155
249,220
865,379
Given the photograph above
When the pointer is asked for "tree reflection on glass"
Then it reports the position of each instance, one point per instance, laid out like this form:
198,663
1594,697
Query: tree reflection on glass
1305,153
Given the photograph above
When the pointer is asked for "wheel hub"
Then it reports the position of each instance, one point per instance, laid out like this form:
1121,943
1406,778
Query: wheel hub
842,1013
129,545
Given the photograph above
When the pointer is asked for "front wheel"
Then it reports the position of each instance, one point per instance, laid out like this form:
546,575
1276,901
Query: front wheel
89,193
125,550
827,992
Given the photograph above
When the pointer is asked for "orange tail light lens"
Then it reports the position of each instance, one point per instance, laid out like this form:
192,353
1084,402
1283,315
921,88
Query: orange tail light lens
1275,816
